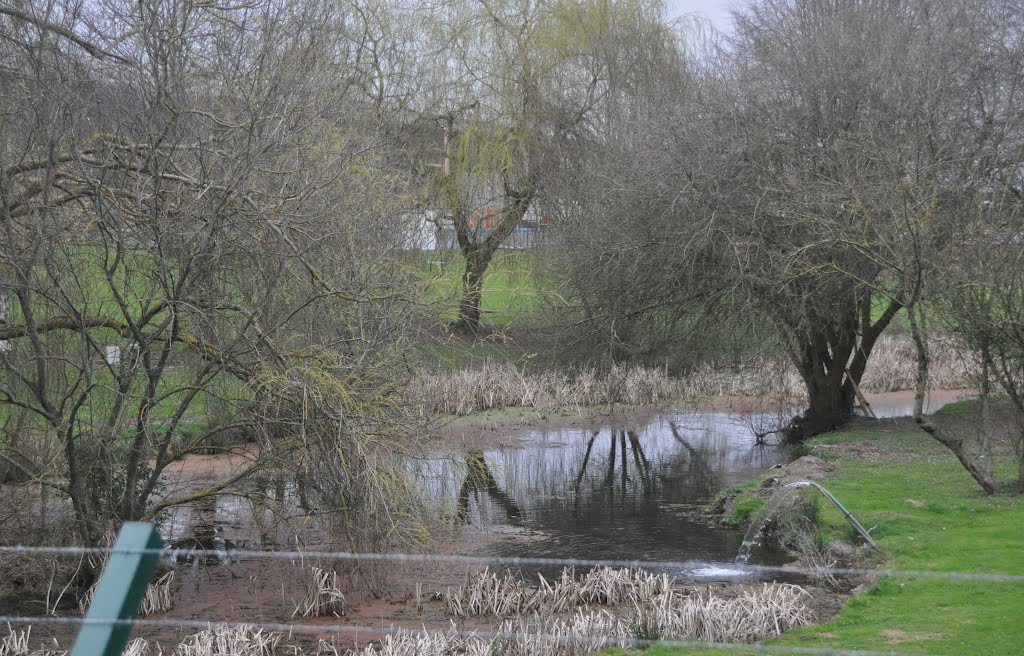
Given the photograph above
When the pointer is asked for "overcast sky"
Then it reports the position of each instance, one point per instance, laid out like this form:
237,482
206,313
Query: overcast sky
717,11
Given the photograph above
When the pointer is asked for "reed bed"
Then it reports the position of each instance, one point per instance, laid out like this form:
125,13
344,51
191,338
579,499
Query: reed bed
892,367
668,615
536,635
323,595
505,386
651,610
750,616
487,594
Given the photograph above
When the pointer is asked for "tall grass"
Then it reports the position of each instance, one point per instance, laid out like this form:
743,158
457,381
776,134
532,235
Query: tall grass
669,615
505,386
221,640
893,366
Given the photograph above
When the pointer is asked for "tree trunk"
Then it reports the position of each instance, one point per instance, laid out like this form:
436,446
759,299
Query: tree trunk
472,293
979,474
827,410
829,355
478,254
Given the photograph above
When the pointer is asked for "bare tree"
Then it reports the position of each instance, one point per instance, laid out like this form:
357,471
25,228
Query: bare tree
185,224
791,184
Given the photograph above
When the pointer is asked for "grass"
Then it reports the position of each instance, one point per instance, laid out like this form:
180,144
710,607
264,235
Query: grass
515,288
929,515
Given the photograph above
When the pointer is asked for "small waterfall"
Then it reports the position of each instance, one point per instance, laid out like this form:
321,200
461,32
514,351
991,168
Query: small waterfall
759,523
760,520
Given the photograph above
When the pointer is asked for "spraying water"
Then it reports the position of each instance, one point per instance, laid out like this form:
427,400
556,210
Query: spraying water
760,521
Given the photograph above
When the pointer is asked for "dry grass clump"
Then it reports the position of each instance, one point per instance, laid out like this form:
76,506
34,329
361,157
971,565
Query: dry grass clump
536,635
323,595
223,640
505,386
585,632
158,596
16,643
669,615
487,594
750,616
157,599
217,640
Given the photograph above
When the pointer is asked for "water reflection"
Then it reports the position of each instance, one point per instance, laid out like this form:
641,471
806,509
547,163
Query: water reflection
479,479
630,490
618,492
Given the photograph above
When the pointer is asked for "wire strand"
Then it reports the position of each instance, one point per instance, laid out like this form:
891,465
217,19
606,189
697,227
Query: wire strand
346,629
511,561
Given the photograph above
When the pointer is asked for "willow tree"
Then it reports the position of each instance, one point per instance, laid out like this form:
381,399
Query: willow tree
518,81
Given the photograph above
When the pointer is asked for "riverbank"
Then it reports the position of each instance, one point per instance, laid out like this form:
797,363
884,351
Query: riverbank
929,515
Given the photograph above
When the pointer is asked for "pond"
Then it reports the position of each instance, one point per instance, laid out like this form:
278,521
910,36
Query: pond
626,490
627,487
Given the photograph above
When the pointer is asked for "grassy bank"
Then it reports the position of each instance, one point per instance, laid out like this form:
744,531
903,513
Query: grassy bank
929,515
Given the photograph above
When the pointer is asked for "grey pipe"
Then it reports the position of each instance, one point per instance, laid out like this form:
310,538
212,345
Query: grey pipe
835,502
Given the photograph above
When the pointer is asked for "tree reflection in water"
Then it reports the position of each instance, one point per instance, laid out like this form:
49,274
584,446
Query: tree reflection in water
480,479
624,491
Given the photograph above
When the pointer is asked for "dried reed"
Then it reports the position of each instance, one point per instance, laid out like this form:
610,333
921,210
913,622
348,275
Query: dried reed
157,600
666,615
504,386
323,595
893,366
221,640
17,644
487,594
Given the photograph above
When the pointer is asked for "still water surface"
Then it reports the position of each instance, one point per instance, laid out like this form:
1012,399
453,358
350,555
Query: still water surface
626,490
630,488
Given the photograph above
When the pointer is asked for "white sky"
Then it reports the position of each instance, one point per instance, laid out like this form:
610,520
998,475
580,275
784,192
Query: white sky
717,11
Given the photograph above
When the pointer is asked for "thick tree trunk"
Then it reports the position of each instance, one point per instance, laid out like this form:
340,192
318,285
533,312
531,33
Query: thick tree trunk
478,254
827,410
472,293
829,355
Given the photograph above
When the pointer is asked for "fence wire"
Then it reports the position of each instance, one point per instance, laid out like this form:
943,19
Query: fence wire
512,562
355,630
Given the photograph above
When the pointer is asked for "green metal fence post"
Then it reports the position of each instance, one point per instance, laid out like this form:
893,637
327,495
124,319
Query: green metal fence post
119,592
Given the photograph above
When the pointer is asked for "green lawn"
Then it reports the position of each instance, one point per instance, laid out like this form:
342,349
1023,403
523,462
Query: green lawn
516,287
929,515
